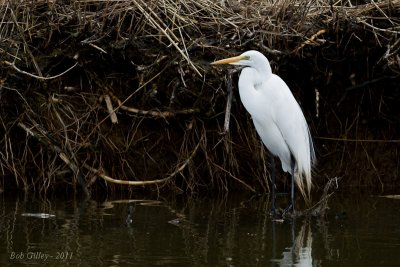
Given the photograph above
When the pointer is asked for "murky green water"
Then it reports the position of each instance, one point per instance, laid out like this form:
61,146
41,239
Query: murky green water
360,230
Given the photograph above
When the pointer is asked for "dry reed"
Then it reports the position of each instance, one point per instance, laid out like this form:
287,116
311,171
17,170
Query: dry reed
122,90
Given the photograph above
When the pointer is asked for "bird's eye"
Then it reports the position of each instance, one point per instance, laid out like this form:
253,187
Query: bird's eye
246,58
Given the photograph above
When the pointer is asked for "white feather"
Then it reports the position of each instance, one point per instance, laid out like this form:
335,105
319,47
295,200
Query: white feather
277,117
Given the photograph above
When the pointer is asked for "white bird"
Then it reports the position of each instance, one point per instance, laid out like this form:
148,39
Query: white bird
277,118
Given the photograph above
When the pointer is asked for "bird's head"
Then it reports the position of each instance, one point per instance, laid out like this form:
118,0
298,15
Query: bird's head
252,58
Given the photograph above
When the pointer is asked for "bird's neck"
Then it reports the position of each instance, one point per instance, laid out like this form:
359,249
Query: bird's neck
264,70
261,75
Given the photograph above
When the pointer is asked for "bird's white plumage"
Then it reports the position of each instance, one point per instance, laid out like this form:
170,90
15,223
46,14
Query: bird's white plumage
277,116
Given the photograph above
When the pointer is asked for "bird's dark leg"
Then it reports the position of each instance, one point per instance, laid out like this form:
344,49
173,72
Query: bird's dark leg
291,206
292,190
273,185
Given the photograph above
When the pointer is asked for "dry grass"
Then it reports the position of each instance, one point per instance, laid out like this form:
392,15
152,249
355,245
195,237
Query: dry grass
122,90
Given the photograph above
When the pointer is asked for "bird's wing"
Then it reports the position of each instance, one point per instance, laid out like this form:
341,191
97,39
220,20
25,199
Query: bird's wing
290,120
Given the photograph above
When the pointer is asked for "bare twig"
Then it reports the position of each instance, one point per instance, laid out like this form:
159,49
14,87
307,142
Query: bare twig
309,41
154,113
41,76
321,207
228,81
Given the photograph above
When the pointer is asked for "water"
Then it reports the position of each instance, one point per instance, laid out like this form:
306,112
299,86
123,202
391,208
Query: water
360,230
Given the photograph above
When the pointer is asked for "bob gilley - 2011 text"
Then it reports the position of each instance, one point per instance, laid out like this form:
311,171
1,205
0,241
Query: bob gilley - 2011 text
37,255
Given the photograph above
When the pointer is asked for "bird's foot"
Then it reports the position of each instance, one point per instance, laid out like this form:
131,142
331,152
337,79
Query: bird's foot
279,215
288,209
290,212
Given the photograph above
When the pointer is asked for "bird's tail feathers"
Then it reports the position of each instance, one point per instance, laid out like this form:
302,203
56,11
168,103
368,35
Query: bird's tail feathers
304,183
303,173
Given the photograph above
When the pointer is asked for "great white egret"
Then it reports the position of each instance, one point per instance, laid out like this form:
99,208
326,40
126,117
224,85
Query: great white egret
278,120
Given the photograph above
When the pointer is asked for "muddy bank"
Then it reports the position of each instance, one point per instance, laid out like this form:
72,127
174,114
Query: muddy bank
108,93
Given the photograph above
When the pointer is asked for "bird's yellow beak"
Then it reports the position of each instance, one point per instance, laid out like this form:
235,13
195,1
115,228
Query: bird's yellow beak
228,60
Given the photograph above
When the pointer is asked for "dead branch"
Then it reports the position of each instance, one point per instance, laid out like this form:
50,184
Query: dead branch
154,113
147,182
309,41
228,81
36,76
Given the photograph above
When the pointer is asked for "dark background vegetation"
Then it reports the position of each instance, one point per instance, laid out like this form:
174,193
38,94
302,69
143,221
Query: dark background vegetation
151,60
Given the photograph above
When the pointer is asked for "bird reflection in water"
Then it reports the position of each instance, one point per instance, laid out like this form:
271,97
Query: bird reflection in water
300,251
